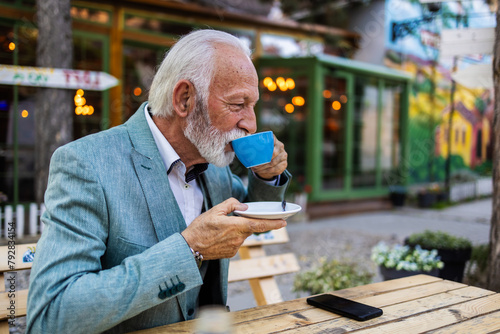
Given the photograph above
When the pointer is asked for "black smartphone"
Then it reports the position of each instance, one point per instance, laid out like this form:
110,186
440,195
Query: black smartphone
345,307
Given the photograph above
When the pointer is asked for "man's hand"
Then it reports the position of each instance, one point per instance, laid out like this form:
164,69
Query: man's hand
277,165
217,236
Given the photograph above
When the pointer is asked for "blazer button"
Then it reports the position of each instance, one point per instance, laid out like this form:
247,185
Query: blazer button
165,293
190,312
162,294
180,287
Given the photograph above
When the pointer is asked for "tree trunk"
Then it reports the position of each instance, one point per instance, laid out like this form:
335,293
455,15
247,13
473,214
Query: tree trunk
494,257
53,117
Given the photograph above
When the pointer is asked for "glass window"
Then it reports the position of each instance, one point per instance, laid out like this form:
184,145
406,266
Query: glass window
22,114
390,133
140,64
88,55
175,29
286,46
334,126
90,15
365,132
283,109
151,24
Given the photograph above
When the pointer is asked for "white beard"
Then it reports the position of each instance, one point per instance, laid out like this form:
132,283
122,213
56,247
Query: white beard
210,141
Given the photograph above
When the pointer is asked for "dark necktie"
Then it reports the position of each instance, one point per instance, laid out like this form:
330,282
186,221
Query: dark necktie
193,173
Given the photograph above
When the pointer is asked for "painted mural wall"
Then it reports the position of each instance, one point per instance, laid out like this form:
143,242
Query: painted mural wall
412,44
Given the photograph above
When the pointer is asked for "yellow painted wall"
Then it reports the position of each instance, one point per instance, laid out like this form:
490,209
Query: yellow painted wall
459,146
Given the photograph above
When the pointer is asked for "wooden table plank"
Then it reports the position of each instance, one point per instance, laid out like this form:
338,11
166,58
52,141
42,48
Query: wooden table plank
434,319
397,310
313,320
296,305
418,282
489,323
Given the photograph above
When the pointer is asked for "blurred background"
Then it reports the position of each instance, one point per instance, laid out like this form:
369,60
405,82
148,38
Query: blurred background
360,92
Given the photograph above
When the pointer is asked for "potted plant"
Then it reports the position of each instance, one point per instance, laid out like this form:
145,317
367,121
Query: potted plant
401,260
329,276
454,251
428,196
397,194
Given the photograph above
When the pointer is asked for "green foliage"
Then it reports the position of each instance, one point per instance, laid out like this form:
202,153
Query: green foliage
423,164
462,176
330,276
480,105
438,240
485,169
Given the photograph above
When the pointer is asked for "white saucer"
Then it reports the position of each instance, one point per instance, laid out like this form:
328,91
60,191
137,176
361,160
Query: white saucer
268,210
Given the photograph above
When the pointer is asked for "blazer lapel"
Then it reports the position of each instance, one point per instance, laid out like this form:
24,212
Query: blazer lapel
164,211
213,187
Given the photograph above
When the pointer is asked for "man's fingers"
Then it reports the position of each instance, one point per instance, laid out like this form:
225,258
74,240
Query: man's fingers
229,205
264,225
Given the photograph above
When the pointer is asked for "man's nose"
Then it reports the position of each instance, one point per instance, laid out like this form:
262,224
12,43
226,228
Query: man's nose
248,122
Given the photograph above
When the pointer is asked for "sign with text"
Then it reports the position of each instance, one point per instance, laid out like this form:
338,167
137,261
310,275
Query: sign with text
475,76
56,78
462,42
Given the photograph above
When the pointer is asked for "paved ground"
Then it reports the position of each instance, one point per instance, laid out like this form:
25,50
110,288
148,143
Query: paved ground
352,237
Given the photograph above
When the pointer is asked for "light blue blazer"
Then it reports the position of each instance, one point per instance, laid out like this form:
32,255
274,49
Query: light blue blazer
111,257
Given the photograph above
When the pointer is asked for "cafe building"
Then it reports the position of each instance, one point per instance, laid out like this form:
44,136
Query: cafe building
343,122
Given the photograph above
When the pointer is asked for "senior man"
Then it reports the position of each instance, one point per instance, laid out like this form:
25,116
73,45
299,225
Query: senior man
138,229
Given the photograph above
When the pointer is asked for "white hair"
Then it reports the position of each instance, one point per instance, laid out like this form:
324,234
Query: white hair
191,58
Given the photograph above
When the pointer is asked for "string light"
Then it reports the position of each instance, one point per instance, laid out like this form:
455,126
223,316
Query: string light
137,91
336,105
267,81
282,83
289,108
24,113
298,101
272,87
12,46
80,104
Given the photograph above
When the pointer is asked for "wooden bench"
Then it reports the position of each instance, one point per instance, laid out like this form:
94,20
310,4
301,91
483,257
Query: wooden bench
259,269
13,300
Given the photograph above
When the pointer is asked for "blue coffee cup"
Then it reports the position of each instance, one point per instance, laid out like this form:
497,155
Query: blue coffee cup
254,150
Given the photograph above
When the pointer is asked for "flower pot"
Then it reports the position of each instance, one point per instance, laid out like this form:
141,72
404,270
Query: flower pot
392,273
426,200
454,263
398,198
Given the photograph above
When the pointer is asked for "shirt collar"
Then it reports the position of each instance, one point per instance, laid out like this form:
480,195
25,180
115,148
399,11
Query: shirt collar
168,155
167,152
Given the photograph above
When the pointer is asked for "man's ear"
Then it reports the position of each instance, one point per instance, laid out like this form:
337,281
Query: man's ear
183,98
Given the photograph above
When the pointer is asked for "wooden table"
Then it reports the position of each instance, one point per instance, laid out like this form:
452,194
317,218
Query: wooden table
417,304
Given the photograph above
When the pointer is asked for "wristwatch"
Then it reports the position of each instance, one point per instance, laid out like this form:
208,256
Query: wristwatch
197,257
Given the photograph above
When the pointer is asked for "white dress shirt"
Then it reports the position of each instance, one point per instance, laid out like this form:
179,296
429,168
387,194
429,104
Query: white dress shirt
188,195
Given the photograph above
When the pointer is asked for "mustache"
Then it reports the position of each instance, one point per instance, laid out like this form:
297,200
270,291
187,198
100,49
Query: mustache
227,136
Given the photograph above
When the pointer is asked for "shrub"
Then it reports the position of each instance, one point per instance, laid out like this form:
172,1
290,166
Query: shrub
330,276
438,240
